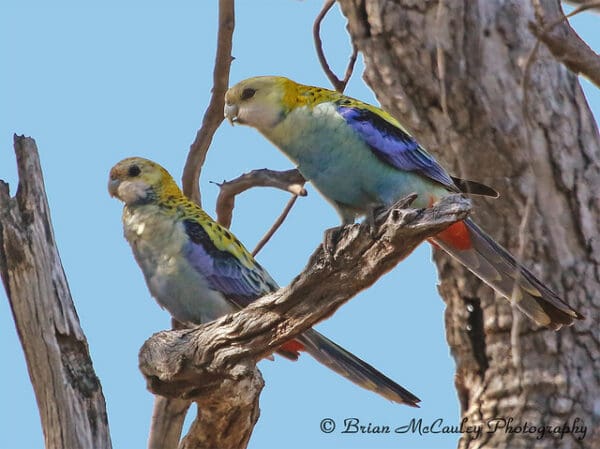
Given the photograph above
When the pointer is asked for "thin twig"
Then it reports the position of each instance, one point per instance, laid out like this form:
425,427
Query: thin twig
168,414
572,51
580,2
584,7
337,83
214,113
290,180
276,225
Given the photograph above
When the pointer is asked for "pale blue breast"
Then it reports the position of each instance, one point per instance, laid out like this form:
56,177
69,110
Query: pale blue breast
340,165
158,246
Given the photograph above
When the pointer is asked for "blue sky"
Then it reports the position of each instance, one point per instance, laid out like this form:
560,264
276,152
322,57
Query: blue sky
96,84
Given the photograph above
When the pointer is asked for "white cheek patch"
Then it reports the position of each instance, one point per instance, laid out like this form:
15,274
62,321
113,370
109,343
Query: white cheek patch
131,191
259,117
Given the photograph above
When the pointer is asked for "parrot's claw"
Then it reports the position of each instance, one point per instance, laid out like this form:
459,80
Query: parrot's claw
330,240
374,216
380,214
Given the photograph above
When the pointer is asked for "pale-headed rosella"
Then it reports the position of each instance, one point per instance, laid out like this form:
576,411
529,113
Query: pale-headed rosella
360,159
199,271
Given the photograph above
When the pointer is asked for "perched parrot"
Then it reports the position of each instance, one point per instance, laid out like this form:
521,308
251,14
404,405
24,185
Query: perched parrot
360,158
199,271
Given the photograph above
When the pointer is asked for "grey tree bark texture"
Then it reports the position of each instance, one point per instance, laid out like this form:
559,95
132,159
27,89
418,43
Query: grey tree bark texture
452,72
69,396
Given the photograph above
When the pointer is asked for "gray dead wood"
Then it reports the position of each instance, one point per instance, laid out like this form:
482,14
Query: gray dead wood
215,364
68,393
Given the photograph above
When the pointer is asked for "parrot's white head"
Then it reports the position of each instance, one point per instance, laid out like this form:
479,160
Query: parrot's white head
261,102
136,180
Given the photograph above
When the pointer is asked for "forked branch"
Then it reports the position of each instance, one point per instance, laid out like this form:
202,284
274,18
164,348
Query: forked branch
217,360
290,180
565,44
338,84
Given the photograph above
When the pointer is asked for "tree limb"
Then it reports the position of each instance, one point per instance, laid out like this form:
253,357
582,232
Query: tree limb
338,84
286,210
214,113
168,416
595,9
289,180
220,356
68,393
566,45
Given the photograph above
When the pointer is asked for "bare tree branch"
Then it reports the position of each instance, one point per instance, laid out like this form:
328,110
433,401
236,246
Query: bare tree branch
227,417
68,393
276,225
595,9
565,44
227,414
211,359
337,83
168,417
214,113
290,180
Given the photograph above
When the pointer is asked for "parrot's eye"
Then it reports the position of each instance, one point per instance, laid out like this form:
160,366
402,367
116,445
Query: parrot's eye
248,93
134,171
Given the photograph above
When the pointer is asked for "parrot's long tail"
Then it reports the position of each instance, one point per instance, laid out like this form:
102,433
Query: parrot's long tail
477,251
352,368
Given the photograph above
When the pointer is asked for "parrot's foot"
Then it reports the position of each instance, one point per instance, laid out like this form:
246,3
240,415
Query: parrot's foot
379,214
375,215
330,240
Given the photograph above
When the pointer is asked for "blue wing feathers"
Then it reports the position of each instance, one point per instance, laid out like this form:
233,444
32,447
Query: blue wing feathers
223,271
392,145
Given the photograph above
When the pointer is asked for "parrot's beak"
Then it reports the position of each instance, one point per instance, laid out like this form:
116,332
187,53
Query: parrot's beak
231,112
113,187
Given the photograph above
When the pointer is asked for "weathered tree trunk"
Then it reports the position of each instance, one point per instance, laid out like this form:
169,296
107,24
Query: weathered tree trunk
68,393
452,72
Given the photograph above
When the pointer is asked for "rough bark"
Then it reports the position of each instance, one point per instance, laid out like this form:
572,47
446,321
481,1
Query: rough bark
68,393
564,43
452,72
168,417
214,365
